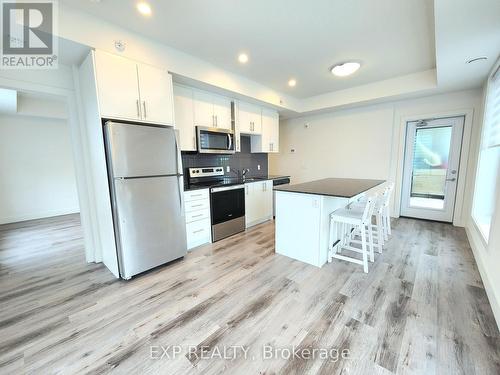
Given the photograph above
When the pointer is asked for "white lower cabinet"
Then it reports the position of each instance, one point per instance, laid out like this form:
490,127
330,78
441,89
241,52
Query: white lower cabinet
197,208
258,202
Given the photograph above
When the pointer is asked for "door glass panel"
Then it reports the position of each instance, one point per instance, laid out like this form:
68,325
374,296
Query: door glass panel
431,152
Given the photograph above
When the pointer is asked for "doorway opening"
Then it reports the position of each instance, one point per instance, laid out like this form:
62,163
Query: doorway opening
431,166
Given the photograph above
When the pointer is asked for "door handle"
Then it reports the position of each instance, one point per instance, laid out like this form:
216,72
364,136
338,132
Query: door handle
144,105
451,179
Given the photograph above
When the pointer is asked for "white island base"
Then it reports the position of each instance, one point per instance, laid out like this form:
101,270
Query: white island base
303,224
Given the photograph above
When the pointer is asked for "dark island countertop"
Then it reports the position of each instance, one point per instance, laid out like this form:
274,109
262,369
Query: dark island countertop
333,187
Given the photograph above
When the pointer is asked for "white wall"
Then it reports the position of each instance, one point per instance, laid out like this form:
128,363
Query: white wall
37,177
363,142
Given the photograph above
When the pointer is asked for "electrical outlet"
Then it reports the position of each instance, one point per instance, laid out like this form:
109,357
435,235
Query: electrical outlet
228,169
292,151
258,167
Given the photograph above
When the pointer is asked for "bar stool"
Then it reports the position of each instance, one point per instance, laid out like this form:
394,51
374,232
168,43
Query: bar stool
383,218
348,221
378,228
386,215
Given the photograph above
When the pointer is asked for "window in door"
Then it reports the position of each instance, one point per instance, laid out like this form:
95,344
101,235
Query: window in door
430,165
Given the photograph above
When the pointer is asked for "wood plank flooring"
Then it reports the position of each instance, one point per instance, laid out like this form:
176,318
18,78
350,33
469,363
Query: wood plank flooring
421,309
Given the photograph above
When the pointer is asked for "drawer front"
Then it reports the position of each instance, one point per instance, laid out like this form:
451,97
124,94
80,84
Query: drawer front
201,204
197,215
195,195
198,233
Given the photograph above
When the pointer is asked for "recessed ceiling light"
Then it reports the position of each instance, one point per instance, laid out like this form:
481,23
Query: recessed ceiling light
292,82
481,58
243,58
345,69
144,8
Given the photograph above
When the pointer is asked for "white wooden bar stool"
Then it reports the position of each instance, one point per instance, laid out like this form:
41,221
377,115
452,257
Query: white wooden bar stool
386,214
347,221
381,212
381,202
377,229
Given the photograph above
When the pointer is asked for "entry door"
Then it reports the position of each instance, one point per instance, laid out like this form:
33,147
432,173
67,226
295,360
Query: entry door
430,174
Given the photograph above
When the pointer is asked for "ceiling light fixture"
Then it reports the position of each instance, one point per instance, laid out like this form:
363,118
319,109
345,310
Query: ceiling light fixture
345,69
292,82
481,58
144,8
243,58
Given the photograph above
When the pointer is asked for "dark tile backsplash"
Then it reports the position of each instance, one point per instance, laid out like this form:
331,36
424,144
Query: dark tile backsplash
239,160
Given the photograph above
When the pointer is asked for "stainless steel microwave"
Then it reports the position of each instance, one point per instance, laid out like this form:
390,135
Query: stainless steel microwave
215,140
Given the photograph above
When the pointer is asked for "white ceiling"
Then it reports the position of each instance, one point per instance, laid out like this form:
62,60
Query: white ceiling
289,38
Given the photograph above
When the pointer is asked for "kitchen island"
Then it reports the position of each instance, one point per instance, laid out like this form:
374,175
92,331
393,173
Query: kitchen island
303,211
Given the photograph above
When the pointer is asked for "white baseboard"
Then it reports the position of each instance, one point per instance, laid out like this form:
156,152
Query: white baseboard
477,248
38,215
256,222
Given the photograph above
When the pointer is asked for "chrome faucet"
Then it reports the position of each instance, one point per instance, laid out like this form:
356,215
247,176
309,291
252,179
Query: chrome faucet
241,173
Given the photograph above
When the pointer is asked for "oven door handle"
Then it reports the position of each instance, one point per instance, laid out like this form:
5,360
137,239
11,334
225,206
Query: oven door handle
225,188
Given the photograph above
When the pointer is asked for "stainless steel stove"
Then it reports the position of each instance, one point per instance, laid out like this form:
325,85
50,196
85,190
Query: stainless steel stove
227,200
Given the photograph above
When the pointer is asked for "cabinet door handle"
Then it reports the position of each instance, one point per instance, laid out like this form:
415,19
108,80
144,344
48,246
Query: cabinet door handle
198,231
144,105
197,215
138,108
196,205
216,121
194,142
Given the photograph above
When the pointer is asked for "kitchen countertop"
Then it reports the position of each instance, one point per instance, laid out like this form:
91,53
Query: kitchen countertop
236,182
334,187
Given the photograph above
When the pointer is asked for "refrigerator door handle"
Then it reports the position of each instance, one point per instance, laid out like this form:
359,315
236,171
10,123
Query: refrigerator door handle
179,170
178,159
181,193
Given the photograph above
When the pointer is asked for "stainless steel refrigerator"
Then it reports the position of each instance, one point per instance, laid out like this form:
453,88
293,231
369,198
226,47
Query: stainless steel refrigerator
146,183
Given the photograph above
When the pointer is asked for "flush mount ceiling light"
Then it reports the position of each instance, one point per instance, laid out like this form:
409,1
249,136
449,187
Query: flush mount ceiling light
144,8
292,82
475,59
243,58
345,69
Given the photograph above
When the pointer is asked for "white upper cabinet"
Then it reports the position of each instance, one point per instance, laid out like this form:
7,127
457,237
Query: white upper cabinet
212,110
222,112
117,87
270,130
203,109
250,119
269,139
184,117
131,91
155,91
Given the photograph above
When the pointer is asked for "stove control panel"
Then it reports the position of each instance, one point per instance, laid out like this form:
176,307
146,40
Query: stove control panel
206,172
